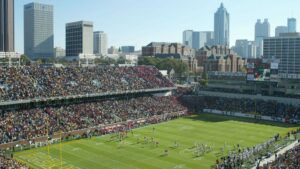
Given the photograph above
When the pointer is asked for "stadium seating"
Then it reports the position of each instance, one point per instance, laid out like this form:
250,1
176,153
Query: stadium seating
237,158
36,82
259,107
9,163
289,160
27,124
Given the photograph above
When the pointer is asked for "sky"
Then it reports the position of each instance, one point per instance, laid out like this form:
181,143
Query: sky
139,22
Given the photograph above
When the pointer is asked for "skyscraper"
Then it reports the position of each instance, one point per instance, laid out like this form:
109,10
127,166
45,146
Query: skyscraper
38,31
262,31
79,38
100,43
197,40
187,38
284,48
280,29
245,48
292,24
7,26
221,26
206,38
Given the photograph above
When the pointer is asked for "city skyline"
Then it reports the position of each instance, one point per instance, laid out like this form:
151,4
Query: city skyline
124,27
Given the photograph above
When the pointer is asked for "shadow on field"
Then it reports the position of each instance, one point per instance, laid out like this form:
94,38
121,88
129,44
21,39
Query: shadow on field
221,118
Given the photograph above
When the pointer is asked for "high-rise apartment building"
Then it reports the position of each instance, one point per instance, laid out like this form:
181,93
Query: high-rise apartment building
292,24
262,31
221,27
100,43
7,26
286,49
197,40
206,38
79,38
280,29
245,48
187,38
38,31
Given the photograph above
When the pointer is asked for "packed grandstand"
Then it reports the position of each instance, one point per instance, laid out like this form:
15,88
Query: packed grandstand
35,82
290,159
272,108
141,98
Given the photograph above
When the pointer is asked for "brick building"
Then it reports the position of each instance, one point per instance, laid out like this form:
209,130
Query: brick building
172,50
219,58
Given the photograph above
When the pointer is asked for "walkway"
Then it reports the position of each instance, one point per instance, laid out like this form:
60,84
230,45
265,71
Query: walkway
282,151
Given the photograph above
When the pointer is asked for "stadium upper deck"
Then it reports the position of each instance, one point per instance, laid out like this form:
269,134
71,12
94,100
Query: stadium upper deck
27,83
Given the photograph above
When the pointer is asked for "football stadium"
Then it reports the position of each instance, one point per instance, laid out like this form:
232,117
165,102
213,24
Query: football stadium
134,117
118,90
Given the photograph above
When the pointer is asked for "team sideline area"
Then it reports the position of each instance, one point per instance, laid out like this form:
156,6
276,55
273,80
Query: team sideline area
190,142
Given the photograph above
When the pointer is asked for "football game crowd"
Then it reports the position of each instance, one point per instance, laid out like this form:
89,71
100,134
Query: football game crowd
260,107
36,82
289,160
43,82
28,124
9,163
32,123
236,159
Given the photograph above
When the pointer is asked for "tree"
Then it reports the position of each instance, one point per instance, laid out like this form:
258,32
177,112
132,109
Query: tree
105,61
204,76
181,67
165,64
148,60
204,81
121,60
25,60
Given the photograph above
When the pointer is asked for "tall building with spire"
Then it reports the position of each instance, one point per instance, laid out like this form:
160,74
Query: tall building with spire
221,26
7,42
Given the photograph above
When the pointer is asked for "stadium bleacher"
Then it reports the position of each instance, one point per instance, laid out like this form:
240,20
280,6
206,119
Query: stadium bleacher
9,163
259,107
34,82
32,123
289,160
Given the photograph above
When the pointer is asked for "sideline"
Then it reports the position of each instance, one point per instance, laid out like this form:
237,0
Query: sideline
281,152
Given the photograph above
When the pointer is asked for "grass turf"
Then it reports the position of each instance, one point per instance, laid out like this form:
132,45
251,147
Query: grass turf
212,130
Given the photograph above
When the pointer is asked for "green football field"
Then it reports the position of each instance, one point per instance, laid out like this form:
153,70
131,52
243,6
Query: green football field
179,137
